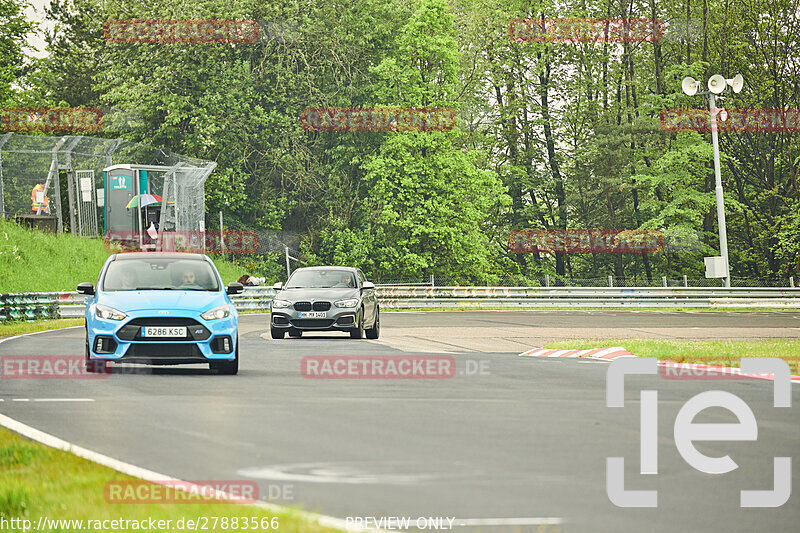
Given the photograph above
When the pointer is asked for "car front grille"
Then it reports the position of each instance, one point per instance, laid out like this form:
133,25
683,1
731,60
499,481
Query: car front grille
163,350
133,329
312,322
163,321
307,306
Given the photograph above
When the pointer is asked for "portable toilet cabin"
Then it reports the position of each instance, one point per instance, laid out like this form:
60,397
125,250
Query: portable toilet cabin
125,219
156,207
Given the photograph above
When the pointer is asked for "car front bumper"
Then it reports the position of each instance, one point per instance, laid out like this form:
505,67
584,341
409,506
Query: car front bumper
121,340
336,319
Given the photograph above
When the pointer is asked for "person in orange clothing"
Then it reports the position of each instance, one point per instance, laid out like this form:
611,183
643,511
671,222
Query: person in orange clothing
35,206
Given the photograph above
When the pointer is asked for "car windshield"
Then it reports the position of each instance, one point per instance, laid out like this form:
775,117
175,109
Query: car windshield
160,274
321,279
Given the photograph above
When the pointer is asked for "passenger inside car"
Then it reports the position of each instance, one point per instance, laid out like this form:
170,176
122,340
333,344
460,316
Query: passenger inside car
129,279
188,277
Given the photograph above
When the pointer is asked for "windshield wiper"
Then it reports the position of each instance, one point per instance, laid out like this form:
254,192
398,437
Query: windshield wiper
154,288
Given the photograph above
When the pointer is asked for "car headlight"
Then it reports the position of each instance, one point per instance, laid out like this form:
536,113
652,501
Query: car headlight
352,302
280,304
109,313
223,311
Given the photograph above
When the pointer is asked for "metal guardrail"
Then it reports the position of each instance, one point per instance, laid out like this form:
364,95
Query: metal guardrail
40,305
587,292
583,297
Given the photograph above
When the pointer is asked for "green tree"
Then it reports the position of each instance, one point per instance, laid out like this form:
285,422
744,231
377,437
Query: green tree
14,29
432,201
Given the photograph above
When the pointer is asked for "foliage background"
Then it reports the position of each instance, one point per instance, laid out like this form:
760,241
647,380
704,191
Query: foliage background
549,135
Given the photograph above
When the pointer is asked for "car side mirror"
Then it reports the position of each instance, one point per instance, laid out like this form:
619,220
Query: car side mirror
278,286
235,288
367,285
86,288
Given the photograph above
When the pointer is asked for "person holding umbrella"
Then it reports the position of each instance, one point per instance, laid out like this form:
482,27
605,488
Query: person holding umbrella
149,216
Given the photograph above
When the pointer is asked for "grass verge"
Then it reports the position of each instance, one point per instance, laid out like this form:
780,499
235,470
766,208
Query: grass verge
18,328
35,261
38,481
724,353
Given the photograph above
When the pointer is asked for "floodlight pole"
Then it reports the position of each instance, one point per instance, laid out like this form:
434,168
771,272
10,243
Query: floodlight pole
723,233
221,236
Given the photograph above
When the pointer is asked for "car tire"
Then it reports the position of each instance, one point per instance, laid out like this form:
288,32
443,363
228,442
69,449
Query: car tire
358,333
277,333
375,331
229,368
295,333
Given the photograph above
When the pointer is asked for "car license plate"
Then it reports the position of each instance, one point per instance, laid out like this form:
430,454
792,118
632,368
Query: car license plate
311,314
153,331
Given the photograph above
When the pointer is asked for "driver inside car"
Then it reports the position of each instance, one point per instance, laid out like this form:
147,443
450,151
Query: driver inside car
345,281
129,279
188,277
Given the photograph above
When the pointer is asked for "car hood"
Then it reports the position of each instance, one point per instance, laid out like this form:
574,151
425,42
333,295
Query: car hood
332,294
175,300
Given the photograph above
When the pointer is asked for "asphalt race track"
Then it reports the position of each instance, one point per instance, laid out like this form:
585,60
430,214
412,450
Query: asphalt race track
505,438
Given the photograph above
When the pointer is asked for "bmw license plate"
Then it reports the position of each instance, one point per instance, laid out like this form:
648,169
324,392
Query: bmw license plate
311,314
155,331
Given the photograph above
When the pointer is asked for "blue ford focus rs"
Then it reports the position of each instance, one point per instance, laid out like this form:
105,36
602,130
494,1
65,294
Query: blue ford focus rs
161,309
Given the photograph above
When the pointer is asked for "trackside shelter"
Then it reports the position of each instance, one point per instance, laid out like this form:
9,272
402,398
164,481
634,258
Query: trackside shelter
155,207
60,181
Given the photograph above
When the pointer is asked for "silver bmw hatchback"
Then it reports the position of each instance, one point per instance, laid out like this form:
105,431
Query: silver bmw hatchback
328,298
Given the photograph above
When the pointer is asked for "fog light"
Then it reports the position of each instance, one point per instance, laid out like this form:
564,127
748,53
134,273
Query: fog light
226,344
105,344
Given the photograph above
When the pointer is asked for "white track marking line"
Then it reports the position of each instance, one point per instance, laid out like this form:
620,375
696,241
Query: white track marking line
63,399
155,477
149,475
35,333
532,521
50,400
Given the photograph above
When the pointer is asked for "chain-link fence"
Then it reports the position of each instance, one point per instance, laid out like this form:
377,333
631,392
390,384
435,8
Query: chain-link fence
31,180
264,252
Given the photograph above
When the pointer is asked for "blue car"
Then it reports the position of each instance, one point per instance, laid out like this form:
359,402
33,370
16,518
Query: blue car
161,309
